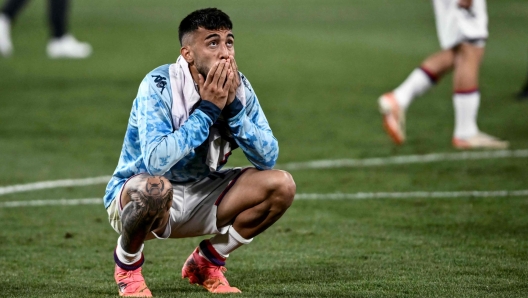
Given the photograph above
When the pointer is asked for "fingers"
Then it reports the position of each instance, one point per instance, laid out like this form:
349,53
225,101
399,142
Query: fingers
229,81
220,74
236,76
225,76
233,63
201,82
212,72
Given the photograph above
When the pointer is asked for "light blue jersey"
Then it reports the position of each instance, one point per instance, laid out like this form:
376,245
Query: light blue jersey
153,146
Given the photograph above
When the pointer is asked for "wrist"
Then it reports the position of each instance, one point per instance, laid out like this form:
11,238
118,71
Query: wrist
210,109
232,109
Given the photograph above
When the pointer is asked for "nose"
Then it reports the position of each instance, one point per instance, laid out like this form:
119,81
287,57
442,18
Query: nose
224,52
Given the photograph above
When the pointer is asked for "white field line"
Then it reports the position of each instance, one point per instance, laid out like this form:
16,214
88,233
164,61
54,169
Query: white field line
62,202
412,194
405,159
53,184
311,196
317,164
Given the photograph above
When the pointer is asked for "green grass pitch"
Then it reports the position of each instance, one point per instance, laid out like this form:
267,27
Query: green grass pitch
317,68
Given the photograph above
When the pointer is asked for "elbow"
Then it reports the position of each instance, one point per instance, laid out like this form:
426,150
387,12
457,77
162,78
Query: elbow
269,159
156,165
264,166
154,169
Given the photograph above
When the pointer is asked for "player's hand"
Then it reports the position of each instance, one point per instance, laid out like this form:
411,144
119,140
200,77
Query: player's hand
218,83
236,81
466,4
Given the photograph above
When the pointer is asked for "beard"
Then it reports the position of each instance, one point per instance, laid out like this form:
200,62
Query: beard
202,69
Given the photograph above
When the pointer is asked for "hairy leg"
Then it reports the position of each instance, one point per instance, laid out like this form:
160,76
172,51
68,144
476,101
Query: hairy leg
467,64
256,201
440,63
146,201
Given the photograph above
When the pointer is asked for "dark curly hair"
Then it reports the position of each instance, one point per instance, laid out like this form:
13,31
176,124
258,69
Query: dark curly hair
207,18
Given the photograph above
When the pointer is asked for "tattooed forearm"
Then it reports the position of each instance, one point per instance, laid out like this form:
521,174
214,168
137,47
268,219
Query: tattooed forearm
149,201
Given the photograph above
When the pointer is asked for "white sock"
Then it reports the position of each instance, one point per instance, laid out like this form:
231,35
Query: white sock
466,110
224,244
416,84
125,257
6,46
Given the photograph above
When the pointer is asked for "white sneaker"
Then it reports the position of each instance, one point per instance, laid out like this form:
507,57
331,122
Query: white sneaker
6,46
393,117
480,140
68,47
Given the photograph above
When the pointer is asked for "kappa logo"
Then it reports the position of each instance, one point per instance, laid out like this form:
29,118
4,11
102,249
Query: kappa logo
161,82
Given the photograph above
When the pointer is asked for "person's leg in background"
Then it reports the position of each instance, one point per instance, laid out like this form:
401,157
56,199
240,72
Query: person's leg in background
62,44
393,105
466,100
8,13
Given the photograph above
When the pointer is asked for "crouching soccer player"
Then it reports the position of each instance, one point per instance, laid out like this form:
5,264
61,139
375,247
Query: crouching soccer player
462,30
185,120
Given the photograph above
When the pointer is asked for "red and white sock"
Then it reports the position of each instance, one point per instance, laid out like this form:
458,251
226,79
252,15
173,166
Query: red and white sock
466,105
417,83
218,248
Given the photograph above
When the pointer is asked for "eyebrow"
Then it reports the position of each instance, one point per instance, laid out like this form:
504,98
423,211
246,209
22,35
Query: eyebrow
214,35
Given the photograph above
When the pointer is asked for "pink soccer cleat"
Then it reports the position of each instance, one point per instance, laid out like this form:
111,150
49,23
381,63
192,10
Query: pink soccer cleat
131,283
204,273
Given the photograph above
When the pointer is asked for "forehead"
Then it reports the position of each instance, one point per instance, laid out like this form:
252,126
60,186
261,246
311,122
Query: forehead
203,33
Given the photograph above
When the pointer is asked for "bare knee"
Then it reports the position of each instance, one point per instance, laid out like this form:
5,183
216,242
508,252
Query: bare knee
147,197
282,188
439,63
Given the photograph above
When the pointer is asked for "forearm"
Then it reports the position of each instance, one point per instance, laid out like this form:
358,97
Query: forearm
255,138
165,151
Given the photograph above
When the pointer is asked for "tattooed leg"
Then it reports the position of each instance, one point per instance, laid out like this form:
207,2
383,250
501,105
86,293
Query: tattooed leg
146,200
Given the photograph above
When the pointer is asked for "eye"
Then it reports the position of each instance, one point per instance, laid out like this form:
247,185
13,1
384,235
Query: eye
213,43
230,43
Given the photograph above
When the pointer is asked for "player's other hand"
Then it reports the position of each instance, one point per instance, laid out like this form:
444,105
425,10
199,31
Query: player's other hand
236,81
466,4
218,83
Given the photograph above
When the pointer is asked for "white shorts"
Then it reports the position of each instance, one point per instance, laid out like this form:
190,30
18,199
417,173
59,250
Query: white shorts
455,25
194,205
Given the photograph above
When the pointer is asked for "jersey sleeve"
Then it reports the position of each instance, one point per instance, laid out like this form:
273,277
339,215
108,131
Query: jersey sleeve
161,145
251,130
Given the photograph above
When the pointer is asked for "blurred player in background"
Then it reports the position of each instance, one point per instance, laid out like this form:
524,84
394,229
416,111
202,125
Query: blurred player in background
60,45
462,31
185,120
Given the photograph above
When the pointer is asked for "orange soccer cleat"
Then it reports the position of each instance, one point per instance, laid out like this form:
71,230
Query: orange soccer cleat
131,283
206,274
393,117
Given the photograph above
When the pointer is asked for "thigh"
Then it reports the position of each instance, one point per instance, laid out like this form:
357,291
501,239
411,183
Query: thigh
251,189
194,209
447,24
